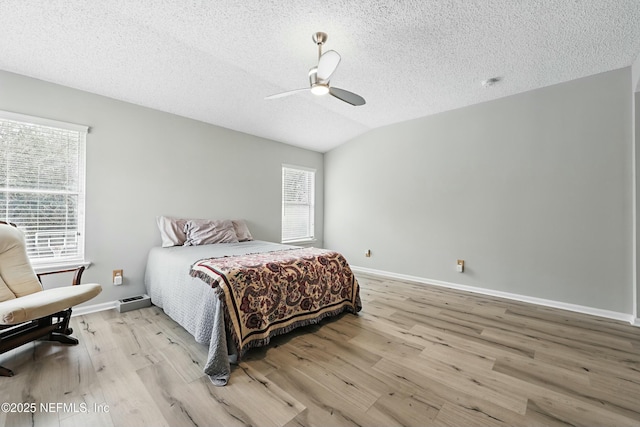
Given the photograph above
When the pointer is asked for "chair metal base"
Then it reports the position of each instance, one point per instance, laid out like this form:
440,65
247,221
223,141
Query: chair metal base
62,338
50,328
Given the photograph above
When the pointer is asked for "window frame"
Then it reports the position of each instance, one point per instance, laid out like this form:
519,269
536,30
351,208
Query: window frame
310,236
48,263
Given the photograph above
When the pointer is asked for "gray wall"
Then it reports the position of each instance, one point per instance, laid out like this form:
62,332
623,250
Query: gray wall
533,191
142,163
637,199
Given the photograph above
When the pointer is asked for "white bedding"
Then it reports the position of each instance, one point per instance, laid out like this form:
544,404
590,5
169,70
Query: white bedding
193,304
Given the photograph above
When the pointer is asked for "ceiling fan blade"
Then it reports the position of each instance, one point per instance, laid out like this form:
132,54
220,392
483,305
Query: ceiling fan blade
283,94
346,96
327,64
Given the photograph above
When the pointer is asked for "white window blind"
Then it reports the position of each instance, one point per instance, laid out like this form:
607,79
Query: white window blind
298,200
42,180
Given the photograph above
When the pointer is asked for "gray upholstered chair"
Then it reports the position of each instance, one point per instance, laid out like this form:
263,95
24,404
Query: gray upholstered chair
27,311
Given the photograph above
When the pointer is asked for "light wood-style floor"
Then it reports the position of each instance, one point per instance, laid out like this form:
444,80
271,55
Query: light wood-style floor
415,356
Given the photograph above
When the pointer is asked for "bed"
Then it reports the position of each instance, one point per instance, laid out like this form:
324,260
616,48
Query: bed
236,296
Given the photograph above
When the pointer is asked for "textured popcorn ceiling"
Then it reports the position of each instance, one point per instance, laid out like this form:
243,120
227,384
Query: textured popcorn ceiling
215,61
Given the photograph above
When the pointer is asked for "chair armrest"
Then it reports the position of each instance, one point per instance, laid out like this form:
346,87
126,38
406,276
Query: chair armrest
76,277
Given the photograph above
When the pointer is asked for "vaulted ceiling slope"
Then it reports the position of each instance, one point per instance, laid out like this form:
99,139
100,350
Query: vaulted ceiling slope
215,61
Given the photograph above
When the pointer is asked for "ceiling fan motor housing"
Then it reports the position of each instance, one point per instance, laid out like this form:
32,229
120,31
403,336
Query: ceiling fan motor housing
318,87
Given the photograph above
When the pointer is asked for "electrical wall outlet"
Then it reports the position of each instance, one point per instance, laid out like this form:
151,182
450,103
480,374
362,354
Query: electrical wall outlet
367,253
460,266
117,277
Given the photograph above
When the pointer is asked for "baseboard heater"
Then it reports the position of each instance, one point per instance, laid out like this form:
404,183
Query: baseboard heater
133,303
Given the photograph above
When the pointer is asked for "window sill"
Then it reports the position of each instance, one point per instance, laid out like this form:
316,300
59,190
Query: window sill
299,242
55,266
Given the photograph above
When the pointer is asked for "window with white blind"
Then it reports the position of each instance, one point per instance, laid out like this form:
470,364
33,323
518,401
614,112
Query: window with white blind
42,180
298,200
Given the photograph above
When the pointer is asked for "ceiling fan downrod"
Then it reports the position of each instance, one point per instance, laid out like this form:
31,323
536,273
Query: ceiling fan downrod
319,38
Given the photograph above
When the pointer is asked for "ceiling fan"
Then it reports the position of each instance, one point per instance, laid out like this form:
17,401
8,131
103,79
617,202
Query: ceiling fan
319,76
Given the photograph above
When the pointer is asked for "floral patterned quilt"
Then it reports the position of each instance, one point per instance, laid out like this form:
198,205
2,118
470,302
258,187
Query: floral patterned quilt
271,293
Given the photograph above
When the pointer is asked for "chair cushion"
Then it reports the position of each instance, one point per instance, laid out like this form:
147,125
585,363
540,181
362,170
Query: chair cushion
45,303
15,268
5,292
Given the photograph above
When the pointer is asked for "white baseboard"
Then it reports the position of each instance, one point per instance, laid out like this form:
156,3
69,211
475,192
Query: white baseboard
79,311
522,298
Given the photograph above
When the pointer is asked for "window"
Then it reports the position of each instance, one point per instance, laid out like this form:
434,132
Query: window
298,200
42,180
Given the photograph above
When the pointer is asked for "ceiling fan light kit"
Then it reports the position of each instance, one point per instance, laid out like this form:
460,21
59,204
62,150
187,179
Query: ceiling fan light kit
317,87
320,89
319,76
